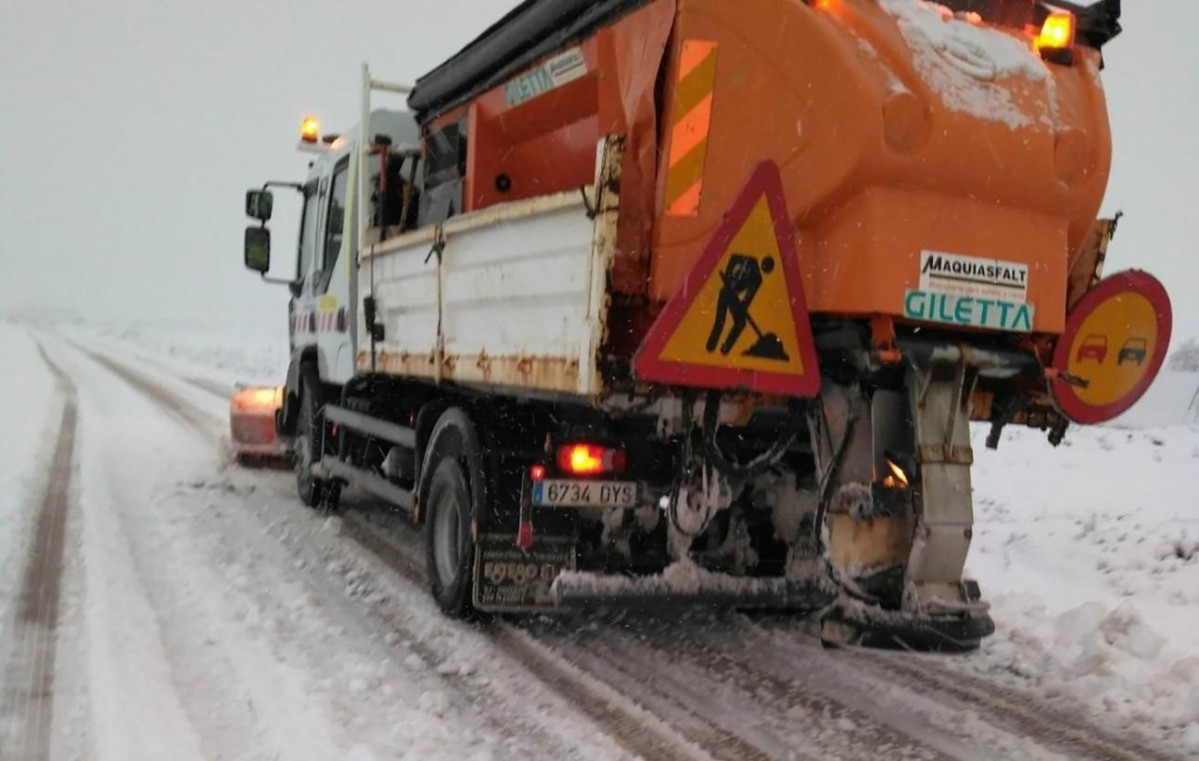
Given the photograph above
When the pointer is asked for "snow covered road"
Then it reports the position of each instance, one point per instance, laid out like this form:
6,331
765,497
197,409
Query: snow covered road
191,630
205,614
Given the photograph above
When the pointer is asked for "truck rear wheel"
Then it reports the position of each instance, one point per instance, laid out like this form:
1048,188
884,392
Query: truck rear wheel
309,447
448,541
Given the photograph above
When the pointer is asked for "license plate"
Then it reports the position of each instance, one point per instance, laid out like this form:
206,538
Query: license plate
569,493
508,578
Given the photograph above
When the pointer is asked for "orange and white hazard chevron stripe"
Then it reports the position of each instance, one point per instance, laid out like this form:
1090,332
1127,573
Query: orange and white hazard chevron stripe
692,123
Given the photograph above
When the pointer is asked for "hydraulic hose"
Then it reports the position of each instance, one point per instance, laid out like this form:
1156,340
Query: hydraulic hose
758,465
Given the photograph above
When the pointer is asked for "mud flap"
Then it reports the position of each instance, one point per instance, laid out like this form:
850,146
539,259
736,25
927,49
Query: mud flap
511,580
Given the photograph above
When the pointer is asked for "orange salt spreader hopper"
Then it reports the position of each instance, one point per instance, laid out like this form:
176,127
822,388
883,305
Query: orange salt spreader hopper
930,175
911,144
942,165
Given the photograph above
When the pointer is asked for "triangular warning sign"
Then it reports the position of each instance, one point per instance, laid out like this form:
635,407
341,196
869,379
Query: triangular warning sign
739,320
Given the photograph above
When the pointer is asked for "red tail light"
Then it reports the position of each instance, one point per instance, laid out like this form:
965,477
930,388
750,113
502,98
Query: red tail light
590,459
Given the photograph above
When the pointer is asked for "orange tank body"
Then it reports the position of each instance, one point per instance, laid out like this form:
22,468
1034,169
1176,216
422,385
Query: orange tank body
891,142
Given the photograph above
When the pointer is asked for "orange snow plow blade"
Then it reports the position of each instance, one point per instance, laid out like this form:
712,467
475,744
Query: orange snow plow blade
252,425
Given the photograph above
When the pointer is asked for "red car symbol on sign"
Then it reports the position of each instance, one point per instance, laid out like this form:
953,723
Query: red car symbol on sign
1093,347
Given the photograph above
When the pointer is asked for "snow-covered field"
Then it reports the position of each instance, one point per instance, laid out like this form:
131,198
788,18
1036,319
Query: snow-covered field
184,589
1090,556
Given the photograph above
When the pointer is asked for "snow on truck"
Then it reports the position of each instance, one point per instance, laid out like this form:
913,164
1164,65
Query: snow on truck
687,301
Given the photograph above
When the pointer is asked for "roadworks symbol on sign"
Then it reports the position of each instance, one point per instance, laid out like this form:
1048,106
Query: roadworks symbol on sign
739,320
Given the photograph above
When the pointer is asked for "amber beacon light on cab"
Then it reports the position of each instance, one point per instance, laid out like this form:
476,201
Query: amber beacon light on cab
676,302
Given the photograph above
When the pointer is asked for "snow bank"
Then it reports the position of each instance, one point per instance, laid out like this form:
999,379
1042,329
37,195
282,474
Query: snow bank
1090,556
963,61
30,426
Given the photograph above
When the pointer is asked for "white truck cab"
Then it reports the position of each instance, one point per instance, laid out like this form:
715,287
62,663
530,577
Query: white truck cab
323,319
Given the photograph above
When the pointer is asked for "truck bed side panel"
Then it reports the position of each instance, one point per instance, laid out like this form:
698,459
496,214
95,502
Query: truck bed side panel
405,288
507,303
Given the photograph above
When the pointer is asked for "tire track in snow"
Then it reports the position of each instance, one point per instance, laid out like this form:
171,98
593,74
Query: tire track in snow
211,689
627,723
929,695
1070,735
916,715
207,385
747,688
636,730
198,421
669,676
27,702
725,732
204,424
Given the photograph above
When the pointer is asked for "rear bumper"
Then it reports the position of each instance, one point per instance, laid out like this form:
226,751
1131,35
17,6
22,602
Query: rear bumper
688,585
843,621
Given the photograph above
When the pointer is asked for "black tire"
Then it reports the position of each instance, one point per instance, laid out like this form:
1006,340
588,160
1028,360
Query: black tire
449,548
309,447
330,497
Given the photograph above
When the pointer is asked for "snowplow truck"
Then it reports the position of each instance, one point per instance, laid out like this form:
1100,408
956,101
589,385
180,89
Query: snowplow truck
673,302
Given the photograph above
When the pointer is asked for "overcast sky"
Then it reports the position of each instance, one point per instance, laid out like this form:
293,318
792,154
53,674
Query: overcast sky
129,130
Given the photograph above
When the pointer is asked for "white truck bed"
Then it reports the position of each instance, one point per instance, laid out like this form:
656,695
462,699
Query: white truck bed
515,299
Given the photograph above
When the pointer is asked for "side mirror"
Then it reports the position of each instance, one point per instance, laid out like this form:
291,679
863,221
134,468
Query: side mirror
258,249
259,205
